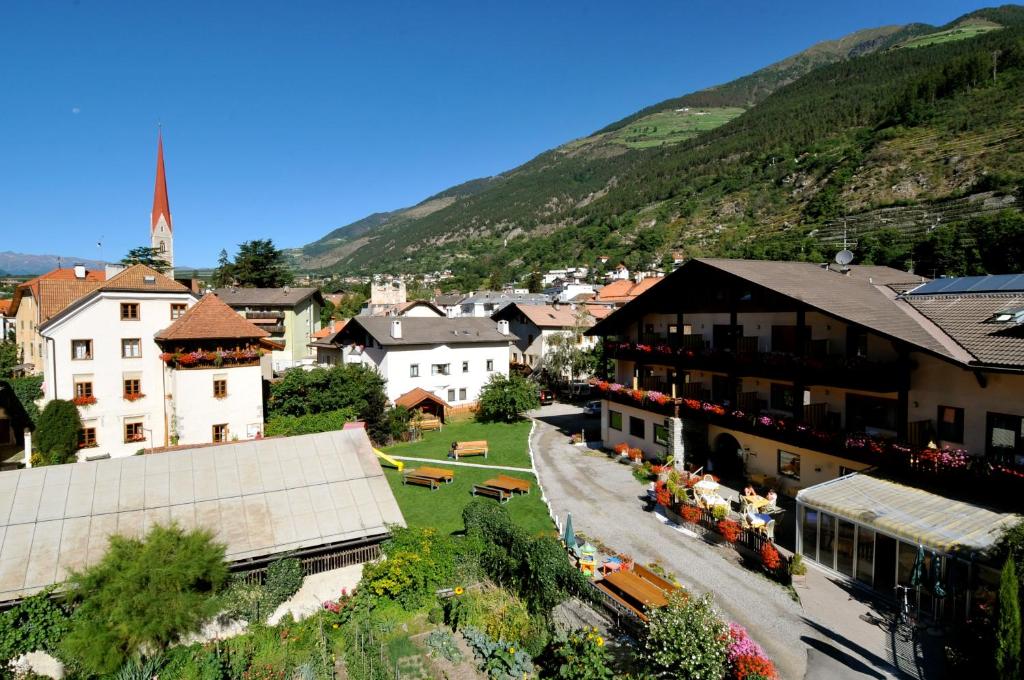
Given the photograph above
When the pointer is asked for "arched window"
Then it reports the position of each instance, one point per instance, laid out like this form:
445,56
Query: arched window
163,247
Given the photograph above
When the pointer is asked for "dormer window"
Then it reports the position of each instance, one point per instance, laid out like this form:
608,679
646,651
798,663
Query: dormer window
149,279
1015,316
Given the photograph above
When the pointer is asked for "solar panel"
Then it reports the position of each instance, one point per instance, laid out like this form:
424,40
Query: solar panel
994,283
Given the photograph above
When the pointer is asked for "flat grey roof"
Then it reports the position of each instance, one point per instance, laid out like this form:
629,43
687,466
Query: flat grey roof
260,498
280,297
426,330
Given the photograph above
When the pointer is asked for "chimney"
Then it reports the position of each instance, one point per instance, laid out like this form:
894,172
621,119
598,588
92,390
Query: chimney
79,271
503,327
396,329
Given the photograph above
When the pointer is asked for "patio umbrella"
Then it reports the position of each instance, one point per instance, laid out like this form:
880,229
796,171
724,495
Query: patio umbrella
569,536
917,572
938,590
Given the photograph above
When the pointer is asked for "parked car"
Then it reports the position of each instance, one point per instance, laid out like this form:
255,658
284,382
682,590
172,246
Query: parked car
547,397
593,408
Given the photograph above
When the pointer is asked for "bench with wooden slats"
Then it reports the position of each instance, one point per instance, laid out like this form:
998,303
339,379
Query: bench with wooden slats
513,484
474,448
424,424
421,480
493,492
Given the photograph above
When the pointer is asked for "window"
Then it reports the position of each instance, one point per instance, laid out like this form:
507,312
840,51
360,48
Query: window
87,438
789,464
131,348
637,427
451,396
133,432
490,364
615,420
863,412
414,371
950,424
220,388
660,435
1004,436
465,367
440,369
462,394
177,308
132,388
856,342
220,433
783,397
129,311
83,389
81,349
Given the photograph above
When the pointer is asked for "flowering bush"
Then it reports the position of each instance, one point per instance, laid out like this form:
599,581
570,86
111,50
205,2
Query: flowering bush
581,655
691,513
746,658
662,494
729,529
685,639
770,557
621,448
343,601
84,401
636,454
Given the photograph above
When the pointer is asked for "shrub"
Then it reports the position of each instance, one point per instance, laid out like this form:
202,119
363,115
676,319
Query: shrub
797,566
621,448
685,639
37,623
636,454
1008,625
770,557
310,423
746,658
507,398
719,512
419,561
284,578
57,432
144,595
662,494
729,529
581,655
691,513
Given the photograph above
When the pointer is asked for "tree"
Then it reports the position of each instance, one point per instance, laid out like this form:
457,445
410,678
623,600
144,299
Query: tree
57,432
10,357
149,256
144,595
223,275
535,284
685,639
259,264
507,398
1008,625
566,359
326,313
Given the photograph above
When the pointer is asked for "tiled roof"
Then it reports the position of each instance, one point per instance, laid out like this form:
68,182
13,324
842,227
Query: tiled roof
426,331
139,277
625,290
964,318
416,396
546,316
280,297
211,319
5,307
330,329
55,296
31,287
259,498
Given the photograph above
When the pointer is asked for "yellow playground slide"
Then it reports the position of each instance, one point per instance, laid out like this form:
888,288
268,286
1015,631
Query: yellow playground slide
397,464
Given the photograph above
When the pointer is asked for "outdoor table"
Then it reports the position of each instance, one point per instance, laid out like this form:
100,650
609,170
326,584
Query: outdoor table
637,589
756,502
611,564
440,474
498,483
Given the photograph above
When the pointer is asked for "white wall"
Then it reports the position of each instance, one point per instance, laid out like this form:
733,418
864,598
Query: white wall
100,321
394,364
194,410
610,437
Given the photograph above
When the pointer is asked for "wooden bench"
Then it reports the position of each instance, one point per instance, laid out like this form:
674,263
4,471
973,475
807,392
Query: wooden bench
427,423
421,480
501,495
463,449
514,483
649,576
440,474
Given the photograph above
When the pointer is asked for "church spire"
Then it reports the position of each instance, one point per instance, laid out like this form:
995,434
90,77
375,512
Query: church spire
161,233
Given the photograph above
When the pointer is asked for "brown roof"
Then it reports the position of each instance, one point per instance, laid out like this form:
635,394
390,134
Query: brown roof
276,297
546,316
5,307
624,290
31,287
965,318
417,396
211,319
335,326
54,296
139,277
599,311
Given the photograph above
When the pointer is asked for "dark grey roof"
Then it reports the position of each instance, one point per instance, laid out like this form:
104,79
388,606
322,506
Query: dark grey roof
965,317
427,331
260,498
278,297
501,298
449,299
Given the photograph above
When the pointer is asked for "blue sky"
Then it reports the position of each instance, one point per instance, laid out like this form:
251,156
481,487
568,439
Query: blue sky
288,119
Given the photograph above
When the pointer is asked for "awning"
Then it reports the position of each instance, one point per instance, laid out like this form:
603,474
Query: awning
914,515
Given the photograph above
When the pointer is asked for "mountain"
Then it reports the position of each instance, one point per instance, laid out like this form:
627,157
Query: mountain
22,264
901,123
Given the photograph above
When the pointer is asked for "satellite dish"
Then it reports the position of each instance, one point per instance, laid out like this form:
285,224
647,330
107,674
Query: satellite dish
844,257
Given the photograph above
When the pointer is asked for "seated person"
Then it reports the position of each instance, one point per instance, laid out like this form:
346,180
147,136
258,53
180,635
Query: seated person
748,490
772,498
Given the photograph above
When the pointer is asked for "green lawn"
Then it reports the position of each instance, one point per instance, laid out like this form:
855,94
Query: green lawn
963,31
507,442
672,127
442,509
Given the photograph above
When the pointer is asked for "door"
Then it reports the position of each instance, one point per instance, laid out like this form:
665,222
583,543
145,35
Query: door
885,564
5,431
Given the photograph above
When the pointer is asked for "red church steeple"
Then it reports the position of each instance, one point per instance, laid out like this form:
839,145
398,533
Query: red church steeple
161,205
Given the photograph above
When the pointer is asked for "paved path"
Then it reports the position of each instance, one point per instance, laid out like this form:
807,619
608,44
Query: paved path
435,461
804,641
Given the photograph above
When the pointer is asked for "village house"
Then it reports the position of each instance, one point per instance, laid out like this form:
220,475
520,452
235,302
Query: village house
535,325
450,358
7,321
290,315
484,303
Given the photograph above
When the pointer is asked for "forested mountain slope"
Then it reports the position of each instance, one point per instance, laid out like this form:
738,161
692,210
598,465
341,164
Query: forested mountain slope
903,123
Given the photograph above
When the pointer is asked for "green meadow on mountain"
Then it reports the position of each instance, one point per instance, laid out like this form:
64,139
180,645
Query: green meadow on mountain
900,129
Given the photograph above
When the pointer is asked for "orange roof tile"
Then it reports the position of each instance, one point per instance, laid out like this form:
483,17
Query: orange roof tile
416,396
54,296
5,307
549,316
615,289
140,277
211,319
333,327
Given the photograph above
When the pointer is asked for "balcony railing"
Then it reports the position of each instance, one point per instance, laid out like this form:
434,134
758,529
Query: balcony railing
837,371
264,315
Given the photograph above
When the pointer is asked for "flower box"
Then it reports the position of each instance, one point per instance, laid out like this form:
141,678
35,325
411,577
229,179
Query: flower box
84,401
133,397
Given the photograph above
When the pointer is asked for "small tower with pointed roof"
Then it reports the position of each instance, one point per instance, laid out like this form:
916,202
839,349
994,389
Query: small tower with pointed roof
161,233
